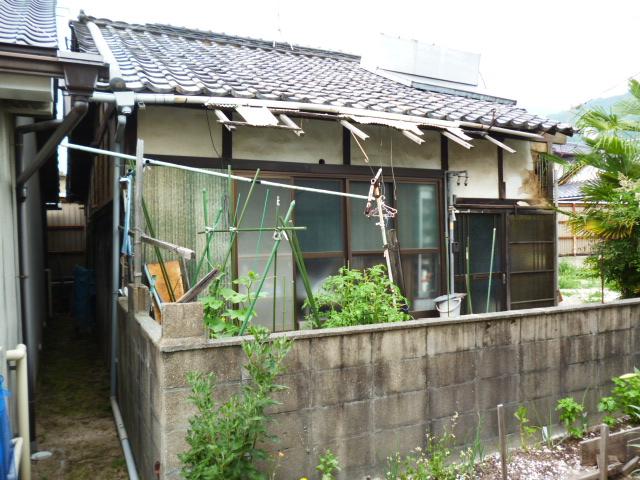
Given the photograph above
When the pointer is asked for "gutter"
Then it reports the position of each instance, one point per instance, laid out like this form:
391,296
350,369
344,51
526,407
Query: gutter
171,99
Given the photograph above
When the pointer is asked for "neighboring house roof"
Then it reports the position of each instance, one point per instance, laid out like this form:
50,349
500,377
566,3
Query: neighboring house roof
171,60
571,189
28,22
570,150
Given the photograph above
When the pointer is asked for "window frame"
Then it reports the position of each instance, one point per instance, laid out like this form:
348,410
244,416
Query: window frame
345,179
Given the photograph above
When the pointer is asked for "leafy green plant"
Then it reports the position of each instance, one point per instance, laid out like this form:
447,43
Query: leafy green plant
608,406
573,416
223,440
527,431
359,297
626,394
225,308
328,465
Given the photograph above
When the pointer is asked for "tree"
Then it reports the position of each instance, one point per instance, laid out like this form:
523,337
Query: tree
612,212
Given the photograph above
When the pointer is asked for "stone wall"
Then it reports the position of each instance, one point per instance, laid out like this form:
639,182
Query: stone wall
367,392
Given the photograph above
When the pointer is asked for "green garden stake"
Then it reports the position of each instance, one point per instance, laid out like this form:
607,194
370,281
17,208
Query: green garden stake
493,247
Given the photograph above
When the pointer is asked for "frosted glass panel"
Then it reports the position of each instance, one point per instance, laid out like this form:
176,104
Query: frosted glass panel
322,215
254,249
417,216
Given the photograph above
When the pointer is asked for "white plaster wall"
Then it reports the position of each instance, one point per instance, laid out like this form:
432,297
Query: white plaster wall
322,139
518,169
10,321
179,131
481,163
385,143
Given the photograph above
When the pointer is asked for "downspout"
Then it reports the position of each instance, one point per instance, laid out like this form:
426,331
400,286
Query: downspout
80,107
115,279
124,102
28,292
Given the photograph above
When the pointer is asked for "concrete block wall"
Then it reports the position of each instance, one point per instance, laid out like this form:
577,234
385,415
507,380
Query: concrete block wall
368,392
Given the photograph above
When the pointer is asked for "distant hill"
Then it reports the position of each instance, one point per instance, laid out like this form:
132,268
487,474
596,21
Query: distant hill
570,116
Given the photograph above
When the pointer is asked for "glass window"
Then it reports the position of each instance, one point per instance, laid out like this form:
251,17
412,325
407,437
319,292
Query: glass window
365,234
421,274
254,249
418,222
322,215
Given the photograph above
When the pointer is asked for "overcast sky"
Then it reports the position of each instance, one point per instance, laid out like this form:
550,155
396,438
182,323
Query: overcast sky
548,55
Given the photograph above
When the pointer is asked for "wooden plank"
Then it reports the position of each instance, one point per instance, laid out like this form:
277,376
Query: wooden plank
617,446
175,277
603,455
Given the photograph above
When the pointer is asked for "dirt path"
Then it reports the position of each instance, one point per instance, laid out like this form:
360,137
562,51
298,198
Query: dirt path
73,415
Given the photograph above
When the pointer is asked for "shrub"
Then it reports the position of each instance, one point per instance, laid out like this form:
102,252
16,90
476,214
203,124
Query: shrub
573,416
626,394
359,297
223,440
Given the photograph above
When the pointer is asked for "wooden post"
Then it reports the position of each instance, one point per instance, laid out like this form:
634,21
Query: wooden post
603,457
502,433
139,225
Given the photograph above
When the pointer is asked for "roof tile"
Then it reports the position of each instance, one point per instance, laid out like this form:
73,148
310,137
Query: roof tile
166,59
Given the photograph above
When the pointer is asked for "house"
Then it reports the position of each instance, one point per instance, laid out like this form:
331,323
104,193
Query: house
572,247
316,118
31,67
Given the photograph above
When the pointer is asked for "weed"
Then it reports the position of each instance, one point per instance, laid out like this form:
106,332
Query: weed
573,416
433,462
608,406
626,395
223,440
527,431
328,465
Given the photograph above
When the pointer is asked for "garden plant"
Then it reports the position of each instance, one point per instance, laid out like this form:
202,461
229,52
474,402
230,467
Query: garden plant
224,439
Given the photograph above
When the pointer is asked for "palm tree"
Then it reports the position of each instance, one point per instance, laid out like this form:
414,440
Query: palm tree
612,212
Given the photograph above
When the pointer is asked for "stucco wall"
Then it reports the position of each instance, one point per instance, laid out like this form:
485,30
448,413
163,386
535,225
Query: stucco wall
518,170
481,164
368,392
179,131
322,140
385,145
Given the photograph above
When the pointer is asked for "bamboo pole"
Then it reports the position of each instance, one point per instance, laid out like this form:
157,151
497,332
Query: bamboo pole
493,247
137,242
302,270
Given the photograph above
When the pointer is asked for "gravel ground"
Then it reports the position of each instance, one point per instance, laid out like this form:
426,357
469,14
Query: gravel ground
555,463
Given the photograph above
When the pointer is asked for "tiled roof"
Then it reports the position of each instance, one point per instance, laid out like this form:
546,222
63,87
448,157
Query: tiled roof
165,59
571,190
570,149
28,22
